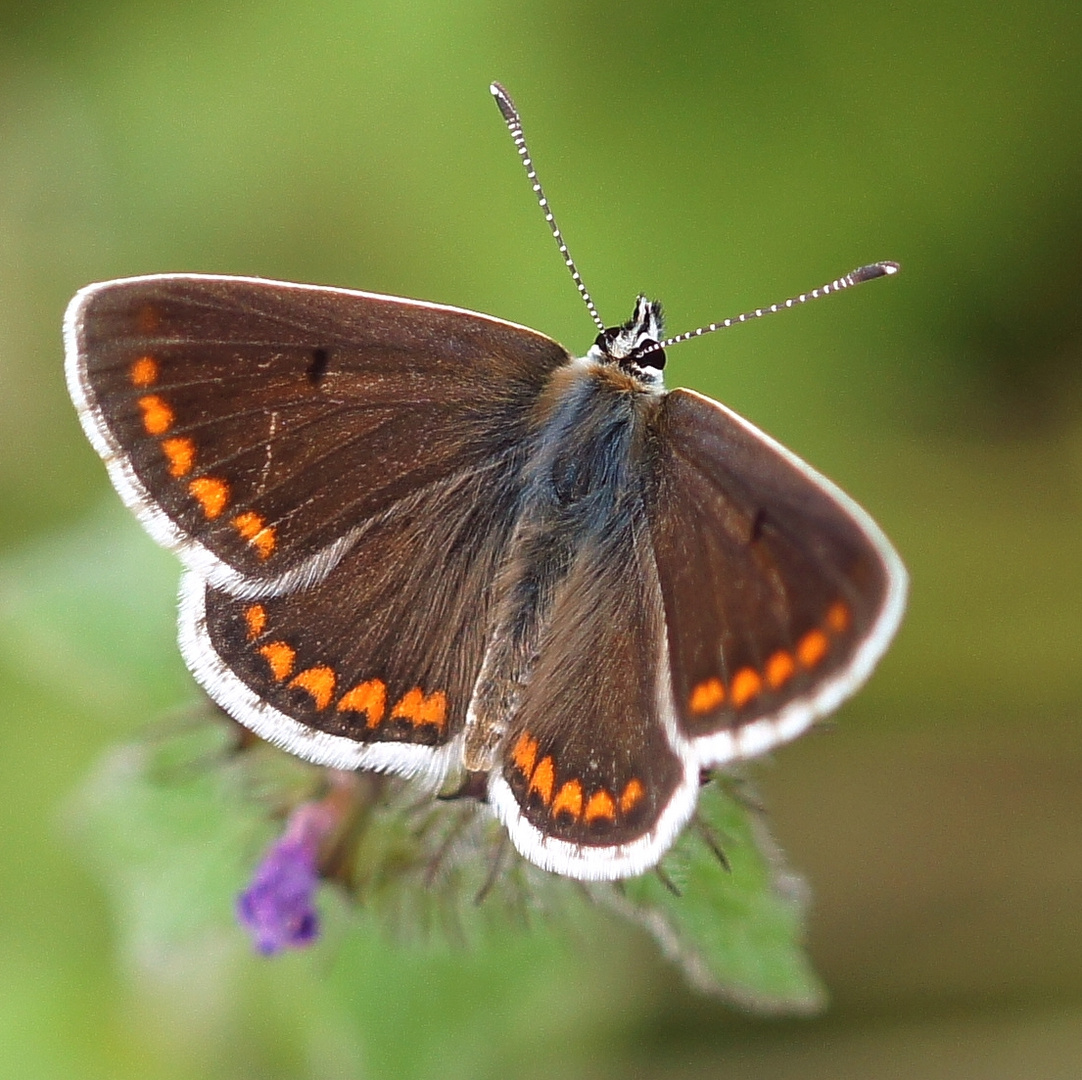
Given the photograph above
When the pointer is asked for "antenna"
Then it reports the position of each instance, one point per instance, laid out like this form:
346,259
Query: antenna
862,273
514,125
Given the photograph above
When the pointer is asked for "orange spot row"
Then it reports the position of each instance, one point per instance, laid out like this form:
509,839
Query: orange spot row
320,681
838,618
420,709
257,532
256,618
148,319
367,697
780,668
280,656
180,453
543,780
157,415
569,798
144,372
211,493
811,648
524,754
370,698
707,695
600,805
415,706
632,795
748,683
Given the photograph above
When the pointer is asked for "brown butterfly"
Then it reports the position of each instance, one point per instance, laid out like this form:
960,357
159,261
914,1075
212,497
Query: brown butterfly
426,541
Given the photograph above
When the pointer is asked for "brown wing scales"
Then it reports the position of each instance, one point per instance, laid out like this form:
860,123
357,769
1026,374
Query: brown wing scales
770,583
267,420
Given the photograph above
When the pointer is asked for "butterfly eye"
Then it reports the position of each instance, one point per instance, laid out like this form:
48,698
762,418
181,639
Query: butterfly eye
650,354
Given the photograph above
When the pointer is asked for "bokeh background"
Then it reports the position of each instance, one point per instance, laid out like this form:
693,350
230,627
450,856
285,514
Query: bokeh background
719,156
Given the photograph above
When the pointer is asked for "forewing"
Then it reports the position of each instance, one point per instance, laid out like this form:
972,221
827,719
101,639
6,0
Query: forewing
780,593
372,667
593,782
255,425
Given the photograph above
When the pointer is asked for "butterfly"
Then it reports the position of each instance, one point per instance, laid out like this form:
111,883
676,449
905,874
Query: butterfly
430,542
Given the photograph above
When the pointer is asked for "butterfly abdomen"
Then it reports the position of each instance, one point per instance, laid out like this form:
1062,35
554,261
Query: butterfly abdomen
581,485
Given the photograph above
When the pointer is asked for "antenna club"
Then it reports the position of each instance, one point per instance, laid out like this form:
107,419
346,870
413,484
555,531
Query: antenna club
504,102
874,270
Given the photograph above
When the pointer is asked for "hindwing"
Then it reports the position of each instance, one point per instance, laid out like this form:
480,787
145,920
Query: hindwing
374,666
595,781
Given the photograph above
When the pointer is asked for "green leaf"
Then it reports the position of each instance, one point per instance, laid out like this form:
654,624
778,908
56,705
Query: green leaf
171,833
736,930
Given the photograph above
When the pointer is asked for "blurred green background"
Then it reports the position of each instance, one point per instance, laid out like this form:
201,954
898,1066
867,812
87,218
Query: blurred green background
716,155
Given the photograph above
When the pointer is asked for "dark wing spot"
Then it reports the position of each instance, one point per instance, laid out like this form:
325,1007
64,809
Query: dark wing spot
757,526
317,366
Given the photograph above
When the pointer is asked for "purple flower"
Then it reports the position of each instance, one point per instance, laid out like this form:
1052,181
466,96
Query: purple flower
277,907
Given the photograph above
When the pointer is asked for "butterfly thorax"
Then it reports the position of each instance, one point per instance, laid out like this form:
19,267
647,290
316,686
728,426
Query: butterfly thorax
633,347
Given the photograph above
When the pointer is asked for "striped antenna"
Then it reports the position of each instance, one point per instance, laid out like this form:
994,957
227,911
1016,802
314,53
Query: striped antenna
862,273
514,125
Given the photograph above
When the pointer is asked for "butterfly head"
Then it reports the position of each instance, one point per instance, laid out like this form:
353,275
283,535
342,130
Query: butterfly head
634,346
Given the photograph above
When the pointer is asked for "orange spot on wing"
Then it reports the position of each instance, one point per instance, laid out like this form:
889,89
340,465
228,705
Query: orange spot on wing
317,681
280,656
632,795
257,532
569,799
706,696
157,415
212,493
838,618
256,618
419,709
148,318
812,647
780,668
144,372
543,779
600,805
180,454
367,697
746,684
524,755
